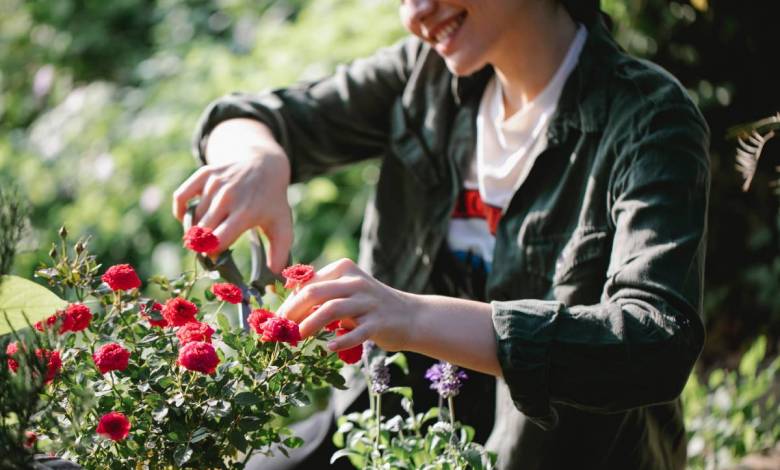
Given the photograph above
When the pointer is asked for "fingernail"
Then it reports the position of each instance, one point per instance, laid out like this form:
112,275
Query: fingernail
332,345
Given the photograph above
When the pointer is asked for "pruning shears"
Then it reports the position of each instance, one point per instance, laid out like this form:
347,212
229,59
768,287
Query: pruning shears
261,275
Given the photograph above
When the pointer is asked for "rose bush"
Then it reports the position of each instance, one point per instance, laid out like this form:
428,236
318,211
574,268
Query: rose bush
138,382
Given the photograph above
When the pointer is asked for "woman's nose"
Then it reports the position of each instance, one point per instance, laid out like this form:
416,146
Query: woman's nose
418,10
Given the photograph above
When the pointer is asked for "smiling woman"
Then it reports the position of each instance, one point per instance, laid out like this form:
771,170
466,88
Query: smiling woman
539,217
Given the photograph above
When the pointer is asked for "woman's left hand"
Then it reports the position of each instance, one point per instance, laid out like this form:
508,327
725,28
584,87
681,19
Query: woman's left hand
342,291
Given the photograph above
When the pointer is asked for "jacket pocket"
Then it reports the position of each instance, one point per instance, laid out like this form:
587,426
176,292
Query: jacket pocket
410,150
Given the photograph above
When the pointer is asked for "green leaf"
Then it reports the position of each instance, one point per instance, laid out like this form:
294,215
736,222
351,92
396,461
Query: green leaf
20,297
182,455
200,434
403,391
209,295
238,440
223,322
247,399
752,358
398,359
293,442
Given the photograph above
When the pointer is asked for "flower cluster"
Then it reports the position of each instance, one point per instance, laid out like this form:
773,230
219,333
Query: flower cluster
379,374
201,240
154,377
227,292
74,318
114,426
446,379
198,356
297,275
111,357
51,360
121,277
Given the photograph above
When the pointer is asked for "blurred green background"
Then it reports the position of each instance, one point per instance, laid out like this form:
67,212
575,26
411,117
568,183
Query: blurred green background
98,101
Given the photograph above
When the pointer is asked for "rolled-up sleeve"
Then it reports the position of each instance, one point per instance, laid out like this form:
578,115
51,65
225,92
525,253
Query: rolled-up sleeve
638,345
326,123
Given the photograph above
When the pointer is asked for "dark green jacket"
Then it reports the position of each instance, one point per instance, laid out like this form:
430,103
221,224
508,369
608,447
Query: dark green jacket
596,284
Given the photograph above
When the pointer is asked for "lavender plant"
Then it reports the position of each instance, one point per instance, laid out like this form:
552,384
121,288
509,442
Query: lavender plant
432,440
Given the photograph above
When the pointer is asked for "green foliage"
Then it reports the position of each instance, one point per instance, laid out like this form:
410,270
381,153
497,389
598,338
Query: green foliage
178,417
433,440
734,412
13,212
24,301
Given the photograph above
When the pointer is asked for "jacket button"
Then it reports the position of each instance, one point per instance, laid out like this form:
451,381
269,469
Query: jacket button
426,260
418,251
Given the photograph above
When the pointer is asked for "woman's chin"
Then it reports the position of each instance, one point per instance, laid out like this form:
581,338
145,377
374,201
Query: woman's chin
462,68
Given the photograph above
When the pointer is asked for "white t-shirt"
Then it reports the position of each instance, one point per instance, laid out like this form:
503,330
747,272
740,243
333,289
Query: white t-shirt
505,151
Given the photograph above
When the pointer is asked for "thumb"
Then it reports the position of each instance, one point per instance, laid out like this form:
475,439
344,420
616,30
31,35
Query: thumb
280,238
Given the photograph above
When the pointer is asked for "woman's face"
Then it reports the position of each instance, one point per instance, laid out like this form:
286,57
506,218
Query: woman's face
466,33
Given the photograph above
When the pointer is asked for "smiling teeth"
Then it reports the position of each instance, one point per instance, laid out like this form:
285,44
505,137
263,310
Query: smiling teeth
447,31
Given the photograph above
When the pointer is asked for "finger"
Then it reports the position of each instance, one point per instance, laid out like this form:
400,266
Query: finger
351,339
332,310
218,210
298,306
189,189
228,232
206,196
280,238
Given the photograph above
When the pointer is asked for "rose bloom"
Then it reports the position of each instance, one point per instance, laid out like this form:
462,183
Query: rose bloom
199,357
114,425
200,240
110,357
195,331
257,318
297,274
77,318
65,322
121,277
278,329
11,350
178,311
53,363
30,438
227,292
157,307
351,355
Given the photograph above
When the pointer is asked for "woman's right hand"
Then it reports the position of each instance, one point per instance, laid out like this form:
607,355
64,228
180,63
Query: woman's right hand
244,185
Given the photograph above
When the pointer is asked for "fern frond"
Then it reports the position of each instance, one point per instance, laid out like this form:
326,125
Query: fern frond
748,154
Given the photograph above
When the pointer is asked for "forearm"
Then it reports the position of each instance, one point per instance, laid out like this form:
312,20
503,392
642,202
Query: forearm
236,139
454,330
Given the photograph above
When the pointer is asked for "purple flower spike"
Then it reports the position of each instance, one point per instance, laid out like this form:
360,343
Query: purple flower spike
446,379
380,375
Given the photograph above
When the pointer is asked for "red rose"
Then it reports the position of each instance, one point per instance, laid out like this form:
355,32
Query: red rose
53,363
11,350
114,425
195,331
297,274
257,318
227,292
278,329
351,355
64,321
179,311
77,318
121,277
199,357
110,357
157,307
30,438
200,240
